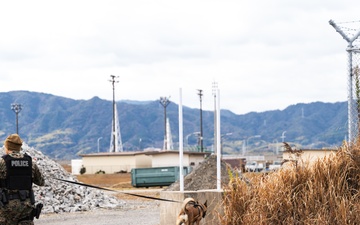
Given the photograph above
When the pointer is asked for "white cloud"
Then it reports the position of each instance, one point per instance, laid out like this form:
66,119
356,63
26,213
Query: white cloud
264,55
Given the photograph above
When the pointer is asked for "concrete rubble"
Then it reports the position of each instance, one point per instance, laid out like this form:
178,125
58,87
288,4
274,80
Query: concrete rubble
58,196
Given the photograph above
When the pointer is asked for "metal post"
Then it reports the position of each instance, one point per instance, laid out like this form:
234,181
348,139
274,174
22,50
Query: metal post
221,139
98,143
201,125
16,108
187,139
276,146
218,152
247,141
165,102
181,144
283,136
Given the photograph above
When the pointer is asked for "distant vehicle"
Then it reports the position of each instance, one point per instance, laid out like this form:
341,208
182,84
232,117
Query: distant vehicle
253,166
275,165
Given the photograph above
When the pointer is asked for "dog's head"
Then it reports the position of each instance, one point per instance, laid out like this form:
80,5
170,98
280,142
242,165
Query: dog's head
191,211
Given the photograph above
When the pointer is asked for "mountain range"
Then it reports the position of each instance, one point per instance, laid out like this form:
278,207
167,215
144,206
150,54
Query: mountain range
63,128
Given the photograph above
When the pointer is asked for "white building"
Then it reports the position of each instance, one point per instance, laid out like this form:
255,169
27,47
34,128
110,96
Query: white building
114,162
308,155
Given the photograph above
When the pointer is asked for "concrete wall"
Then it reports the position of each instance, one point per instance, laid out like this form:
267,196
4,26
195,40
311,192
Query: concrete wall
310,156
125,161
109,164
76,166
142,161
196,159
168,159
172,158
170,210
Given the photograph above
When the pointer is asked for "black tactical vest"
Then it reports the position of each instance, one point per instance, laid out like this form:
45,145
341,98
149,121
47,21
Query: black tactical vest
18,173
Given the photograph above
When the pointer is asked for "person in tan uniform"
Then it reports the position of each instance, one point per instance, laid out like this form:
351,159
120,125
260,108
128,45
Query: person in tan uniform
18,172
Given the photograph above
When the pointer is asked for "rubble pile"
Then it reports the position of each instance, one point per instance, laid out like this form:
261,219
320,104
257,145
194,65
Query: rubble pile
58,196
204,176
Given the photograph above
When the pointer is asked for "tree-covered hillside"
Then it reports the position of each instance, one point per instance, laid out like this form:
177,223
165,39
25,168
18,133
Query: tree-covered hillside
63,128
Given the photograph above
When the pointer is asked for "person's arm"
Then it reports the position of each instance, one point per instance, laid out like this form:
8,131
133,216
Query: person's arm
2,169
38,177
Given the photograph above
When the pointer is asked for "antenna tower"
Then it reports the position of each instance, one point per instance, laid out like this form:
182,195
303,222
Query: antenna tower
351,34
165,102
115,143
16,108
170,145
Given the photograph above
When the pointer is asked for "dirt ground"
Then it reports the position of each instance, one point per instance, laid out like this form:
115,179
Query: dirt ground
136,210
119,182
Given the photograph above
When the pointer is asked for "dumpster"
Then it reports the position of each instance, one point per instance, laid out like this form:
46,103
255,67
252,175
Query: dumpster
156,176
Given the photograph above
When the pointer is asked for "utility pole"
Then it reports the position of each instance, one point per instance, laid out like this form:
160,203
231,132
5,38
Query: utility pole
16,108
214,90
201,126
165,102
113,81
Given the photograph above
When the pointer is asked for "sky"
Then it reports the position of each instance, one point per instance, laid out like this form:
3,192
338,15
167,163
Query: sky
261,55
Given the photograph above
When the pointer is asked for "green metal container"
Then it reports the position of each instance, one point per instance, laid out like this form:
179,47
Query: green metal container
156,176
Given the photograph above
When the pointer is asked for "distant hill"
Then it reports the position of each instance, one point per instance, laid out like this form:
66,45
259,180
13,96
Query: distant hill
62,128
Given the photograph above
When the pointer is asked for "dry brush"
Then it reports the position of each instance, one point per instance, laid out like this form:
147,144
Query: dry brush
323,192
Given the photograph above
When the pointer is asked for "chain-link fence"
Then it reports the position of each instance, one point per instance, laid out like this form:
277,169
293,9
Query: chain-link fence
354,92
350,32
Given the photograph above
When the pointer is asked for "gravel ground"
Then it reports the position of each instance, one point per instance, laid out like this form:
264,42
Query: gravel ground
134,212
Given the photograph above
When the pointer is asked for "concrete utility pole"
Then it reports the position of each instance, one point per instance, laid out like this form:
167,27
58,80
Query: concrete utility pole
113,81
165,102
215,88
201,125
16,108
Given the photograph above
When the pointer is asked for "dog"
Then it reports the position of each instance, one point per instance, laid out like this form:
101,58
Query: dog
191,212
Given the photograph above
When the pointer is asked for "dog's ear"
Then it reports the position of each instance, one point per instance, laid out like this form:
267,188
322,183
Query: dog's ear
205,203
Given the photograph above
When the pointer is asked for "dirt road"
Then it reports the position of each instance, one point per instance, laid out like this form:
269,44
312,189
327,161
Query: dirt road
134,213
136,210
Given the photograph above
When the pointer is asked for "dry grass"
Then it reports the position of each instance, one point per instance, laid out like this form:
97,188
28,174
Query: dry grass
326,192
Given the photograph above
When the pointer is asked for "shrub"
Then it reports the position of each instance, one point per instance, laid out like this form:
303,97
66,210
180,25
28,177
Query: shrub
82,170
325,192
100,172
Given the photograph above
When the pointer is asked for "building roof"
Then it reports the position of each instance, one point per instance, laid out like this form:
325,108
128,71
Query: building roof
142,153
312,149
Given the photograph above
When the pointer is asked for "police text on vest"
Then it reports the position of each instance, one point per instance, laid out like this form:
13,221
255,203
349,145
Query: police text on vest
19,163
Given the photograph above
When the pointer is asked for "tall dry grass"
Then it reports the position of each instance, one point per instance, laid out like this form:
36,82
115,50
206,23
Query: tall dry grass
325,192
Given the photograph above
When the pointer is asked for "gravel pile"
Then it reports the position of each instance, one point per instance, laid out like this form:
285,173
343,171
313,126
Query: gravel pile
204,176
58,196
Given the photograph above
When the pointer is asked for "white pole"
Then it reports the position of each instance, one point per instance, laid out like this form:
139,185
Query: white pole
181,146
218,142
98,142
